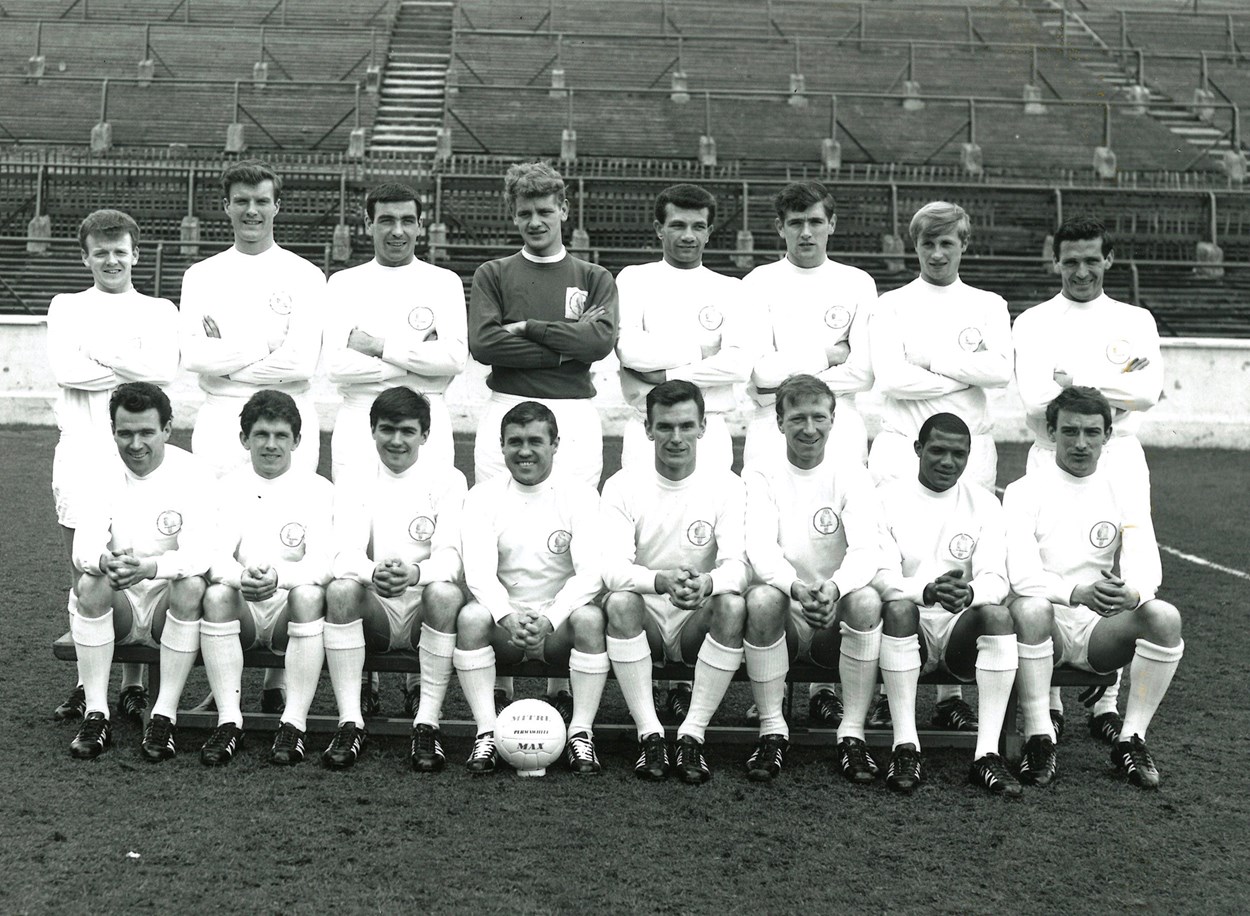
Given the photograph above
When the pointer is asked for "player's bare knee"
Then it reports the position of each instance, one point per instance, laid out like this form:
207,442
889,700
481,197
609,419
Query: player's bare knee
186,597
766,615
95,595
860,609
729,615
900,618
441,602
1032,619
307,603
219,603
343,601
589,624
474,627
995,619
626,611
1161,622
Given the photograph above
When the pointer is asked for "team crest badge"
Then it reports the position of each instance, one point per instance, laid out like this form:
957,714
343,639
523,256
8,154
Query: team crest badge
280,302
421,318
1118,352
169,522
559,541
837,317
421,528
1103,534
710,318
574,302
699,533
962,545
970,339
826,521
292,534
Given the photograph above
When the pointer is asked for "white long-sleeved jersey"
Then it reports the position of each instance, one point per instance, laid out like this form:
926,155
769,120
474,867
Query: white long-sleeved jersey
413,516
97,341
812,525
417,309
533,548
268,308
285,523
1093,342
669,316
1065,531
650,523
804,311
965,333
926,534
169,514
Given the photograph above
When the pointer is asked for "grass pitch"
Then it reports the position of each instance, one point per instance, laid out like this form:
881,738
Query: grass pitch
120,835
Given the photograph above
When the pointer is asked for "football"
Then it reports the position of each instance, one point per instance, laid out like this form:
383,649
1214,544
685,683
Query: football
529,736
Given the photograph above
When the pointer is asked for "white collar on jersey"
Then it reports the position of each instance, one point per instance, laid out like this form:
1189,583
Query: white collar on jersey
544,259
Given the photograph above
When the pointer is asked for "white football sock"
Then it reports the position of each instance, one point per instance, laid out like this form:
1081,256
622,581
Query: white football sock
1108,701
944,692
858,668
556,684
223,663
631,660
435,651
1036,667
588,674
305,654
476,670
1150,672
900,670
998,658
345,657
180,643
1056,699
275,679
506,685
767,667
132,674
93,641
713,673
815,688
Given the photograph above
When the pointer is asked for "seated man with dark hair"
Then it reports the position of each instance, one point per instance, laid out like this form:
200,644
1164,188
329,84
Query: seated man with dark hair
396,565
268,575
944,584
143,546
1084,569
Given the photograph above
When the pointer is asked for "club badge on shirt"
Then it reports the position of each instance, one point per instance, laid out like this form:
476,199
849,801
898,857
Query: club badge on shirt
710,318
559,540
1103,534
699,533
292,534
421,318
421,528
826,521
169,522
961,546
837,317
1119,352
574,302
280,302
970,339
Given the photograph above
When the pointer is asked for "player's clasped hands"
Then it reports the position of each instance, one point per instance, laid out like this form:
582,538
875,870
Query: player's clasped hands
950,591
258,583
1108,596
819,604
392,577
686,588
124,569
527,628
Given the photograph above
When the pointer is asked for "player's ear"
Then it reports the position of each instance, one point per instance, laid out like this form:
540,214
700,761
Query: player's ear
1108,259
777,222
917,447
564,209
833,223
243,440
277,204
225,204
659,234
295,442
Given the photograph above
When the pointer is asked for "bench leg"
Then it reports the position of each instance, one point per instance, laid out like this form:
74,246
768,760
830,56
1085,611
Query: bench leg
1010,743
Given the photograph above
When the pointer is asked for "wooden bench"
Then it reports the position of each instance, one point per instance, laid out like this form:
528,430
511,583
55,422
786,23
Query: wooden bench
405,661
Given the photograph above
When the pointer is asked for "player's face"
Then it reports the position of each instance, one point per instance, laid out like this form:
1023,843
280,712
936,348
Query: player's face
675,429
807,234
539,219
270,444
1081,267
110,259
398,442
1079,438
251,208
684,235
943,458
529,451
806,424
939,257
394,231
141,439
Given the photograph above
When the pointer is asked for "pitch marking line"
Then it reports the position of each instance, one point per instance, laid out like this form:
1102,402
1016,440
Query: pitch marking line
1196,560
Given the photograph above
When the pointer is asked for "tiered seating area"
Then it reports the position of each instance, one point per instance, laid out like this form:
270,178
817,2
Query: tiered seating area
239,12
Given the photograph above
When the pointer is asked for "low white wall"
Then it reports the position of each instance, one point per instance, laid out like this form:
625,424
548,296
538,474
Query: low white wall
1206,398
